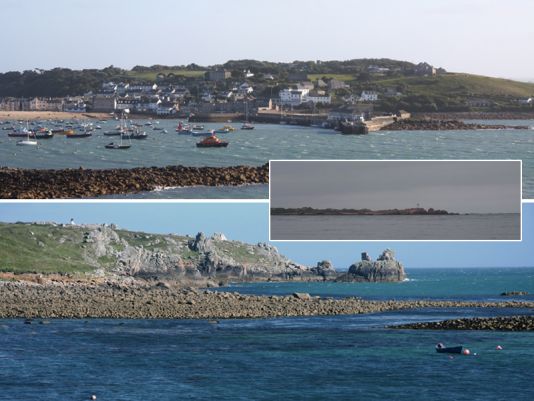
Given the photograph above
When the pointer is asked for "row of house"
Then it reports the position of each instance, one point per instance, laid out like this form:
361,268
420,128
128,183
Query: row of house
69,104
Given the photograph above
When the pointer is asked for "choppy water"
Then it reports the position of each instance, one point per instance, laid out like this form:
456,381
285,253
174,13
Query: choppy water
446,227
275,142
252,191
312,358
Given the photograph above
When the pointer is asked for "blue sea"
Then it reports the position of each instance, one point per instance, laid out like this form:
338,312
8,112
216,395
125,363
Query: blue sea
267,142
310,358
503,226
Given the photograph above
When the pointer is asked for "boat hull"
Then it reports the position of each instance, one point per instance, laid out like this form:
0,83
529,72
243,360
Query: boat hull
450,350
212,145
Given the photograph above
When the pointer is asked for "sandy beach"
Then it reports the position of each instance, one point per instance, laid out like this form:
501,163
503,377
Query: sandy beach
51,115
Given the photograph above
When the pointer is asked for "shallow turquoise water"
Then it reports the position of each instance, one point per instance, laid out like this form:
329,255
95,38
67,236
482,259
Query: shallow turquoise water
267,142
479,284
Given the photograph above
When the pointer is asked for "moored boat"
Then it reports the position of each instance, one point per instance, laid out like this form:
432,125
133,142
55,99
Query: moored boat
354,128
121,145
448,350
75,135
212,142
247,126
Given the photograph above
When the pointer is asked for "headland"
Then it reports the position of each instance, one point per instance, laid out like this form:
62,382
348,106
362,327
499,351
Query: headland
309,211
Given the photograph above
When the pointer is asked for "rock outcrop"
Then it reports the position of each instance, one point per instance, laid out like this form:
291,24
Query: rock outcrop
385,268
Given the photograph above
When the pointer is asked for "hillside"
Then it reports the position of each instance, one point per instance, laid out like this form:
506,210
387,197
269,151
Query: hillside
106,250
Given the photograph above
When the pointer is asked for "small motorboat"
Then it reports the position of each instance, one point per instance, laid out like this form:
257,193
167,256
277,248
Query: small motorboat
79,135
135,135
114,145
448,350
247,126
198,127
212,142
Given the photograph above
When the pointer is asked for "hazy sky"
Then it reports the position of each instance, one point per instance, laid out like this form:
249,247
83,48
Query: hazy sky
456,186
489,37
248,222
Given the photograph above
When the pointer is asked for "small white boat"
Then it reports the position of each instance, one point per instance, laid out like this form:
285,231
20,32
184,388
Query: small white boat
27,142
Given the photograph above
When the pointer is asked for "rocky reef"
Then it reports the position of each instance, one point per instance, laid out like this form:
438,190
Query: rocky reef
503,323
83,183
162,300
385,268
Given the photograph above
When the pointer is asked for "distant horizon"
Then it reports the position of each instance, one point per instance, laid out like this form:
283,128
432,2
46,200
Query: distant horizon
441,32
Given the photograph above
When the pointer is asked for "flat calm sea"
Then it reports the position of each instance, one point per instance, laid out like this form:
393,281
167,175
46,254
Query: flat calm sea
439,227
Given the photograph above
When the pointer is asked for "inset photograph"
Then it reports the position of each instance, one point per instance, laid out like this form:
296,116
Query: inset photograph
456,200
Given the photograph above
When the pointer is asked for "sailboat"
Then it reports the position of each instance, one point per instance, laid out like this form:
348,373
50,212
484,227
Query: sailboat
120,145
247,125
27,141
123,128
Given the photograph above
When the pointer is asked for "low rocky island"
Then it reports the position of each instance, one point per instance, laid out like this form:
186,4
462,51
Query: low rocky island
83,183
309,211
443,125
503,323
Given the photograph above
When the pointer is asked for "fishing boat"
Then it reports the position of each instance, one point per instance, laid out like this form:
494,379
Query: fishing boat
212,142
183,129
247,126
43,134
354,128
198,127
448,350
136,134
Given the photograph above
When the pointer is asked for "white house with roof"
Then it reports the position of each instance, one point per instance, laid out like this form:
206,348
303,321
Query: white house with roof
317,97
245,89
293,97
369,96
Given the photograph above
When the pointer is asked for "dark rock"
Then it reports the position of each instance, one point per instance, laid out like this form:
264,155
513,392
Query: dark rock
385,268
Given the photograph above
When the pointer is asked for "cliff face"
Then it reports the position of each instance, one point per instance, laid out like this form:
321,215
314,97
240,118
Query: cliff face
107,250
385,268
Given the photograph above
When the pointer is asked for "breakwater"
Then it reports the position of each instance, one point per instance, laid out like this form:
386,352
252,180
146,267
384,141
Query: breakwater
82,183
164,301
443,125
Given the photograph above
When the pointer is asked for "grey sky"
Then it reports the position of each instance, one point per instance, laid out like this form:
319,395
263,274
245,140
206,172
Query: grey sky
488,37
456,186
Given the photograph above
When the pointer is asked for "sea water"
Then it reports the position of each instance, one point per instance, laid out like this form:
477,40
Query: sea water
505,226
313,358
267,142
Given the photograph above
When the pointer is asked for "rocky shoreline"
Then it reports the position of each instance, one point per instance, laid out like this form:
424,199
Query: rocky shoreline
443,125
164,301
503,323
477,115
84,183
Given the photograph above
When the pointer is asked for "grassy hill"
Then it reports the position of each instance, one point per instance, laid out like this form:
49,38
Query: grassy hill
50,248
151,76
456,84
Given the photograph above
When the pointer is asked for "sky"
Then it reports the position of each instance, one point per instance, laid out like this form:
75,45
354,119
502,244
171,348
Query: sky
248,222
487,37
455,186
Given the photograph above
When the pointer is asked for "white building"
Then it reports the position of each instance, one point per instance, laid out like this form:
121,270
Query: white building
369,96
293,97
245,89
316,98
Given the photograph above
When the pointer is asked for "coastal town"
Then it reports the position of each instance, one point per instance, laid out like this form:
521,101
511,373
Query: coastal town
303,93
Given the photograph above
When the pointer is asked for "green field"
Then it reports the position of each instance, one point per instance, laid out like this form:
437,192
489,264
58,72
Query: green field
41,249
460,85
151,75
339,77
